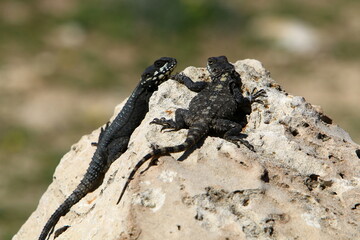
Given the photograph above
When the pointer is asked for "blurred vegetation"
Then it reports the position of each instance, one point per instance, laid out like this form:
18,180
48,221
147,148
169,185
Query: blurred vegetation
64,65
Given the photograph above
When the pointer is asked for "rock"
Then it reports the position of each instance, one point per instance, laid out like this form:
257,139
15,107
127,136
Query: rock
303,181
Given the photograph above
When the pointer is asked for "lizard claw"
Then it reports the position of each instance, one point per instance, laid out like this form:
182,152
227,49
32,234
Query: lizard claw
245,143
239,140
154,146
260,93
259,101
166,124
179,77
256,94
248,145
156,121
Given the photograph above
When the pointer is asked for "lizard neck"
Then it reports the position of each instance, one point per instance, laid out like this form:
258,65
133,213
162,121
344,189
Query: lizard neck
130,116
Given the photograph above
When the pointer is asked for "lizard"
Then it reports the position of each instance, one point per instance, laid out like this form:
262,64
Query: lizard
219,109
114,138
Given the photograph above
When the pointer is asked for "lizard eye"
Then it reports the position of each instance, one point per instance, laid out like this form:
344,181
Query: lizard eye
158,64
210,62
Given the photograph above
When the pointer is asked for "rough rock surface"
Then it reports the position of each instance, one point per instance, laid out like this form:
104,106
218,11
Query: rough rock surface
303,181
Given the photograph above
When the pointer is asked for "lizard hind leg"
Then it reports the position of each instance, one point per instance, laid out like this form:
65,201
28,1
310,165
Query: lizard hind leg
102,131
154,161
231,132
196,132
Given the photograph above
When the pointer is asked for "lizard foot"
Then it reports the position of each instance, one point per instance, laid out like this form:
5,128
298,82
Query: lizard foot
246,144
179,77
237,140
166,124
254,95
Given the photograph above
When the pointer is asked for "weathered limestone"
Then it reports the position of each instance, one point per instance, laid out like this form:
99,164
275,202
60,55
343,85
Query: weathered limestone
303,181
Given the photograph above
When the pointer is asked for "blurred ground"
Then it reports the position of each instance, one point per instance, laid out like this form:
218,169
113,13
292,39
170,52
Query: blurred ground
64,65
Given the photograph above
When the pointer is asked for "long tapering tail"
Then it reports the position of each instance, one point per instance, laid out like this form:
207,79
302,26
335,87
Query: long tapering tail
92,180
195,133
62,210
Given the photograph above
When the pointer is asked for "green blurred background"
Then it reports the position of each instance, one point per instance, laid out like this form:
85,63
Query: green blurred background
65,65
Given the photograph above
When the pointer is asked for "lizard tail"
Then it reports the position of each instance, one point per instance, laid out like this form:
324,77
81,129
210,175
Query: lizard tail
196,132
62,210
91,181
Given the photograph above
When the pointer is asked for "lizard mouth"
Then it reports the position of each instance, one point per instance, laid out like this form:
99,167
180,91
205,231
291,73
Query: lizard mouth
208,68
211,72
154,75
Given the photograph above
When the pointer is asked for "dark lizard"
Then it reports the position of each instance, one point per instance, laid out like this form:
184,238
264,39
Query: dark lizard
114,138
219,109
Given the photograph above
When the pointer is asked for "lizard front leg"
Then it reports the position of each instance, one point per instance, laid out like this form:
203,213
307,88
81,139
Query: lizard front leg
251,98
179,123
255,94
190,84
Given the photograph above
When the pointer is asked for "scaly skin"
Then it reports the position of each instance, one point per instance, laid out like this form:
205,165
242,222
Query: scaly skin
114,138
218,110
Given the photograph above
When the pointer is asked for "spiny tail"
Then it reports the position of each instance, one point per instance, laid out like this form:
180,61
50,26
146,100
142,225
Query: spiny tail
62,210
195,133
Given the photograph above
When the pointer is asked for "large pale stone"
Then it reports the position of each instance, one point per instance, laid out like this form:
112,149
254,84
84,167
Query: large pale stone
303,181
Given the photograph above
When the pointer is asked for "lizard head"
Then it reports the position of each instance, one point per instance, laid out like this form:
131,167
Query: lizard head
217,66
158,73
